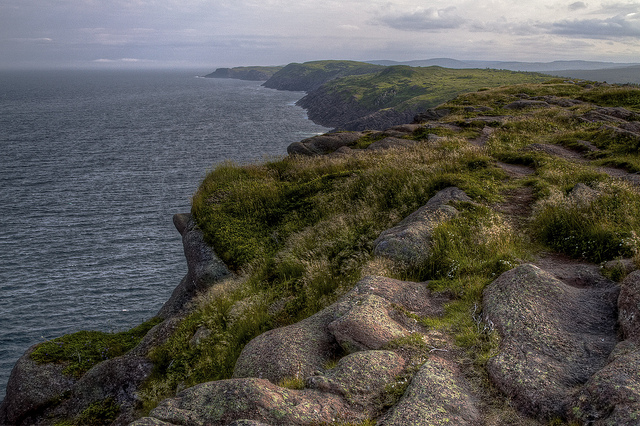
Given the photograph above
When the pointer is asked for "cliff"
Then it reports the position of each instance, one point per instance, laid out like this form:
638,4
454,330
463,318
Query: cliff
478,265
357,96
311,75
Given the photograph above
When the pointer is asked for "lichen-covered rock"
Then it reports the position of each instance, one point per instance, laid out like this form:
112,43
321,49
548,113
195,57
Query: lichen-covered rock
359,377
629,307
437,395
554,337
300,349
412,296
323,144
118,379
224,401
292,351
612,395
409,241
367,325
32,388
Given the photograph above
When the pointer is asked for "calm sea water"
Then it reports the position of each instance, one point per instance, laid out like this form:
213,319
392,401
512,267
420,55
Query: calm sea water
93,165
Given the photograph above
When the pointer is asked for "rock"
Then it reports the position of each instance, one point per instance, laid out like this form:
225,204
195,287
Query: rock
116,378
554,337
32,388
225,401
612,395
412,296
323,144
526,103
409,241
582,194
202,333
391,142
204,267
629,307
367,325
300,349
360,377
625,266
437,395
292,351
432,114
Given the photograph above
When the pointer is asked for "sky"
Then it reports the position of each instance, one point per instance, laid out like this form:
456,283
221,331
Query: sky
208,34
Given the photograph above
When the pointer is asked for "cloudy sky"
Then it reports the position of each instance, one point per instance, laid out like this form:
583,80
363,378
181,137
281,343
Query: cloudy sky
217,33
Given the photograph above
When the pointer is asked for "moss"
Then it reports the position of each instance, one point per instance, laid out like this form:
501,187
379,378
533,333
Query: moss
84,349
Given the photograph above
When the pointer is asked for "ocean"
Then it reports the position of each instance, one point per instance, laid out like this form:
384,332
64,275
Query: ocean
93,166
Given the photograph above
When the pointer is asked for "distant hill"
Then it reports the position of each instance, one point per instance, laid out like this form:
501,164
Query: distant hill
311,75
511,65
245,73
397,93
613,75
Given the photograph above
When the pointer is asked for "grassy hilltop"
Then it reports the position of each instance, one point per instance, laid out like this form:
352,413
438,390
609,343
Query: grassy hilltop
550,169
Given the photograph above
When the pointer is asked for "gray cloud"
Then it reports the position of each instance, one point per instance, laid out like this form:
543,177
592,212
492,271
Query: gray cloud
578,5
617,26
424,20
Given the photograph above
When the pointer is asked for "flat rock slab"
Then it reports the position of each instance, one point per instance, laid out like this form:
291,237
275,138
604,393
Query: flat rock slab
409,241
555,336
437,395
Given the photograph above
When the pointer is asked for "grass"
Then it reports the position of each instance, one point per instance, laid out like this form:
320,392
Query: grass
82,350
414,88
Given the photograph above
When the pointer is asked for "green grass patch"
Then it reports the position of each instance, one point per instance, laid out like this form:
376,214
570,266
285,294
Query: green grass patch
84,349
598,229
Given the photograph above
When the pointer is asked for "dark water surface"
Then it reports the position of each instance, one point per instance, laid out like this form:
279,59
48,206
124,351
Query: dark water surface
93,165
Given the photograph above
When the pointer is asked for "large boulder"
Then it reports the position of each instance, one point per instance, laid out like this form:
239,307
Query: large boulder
555,336
409,241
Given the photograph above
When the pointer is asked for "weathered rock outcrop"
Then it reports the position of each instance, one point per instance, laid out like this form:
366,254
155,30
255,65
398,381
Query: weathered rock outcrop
555,336
361,323
204,267
323,144
612,395
437,395
409,241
